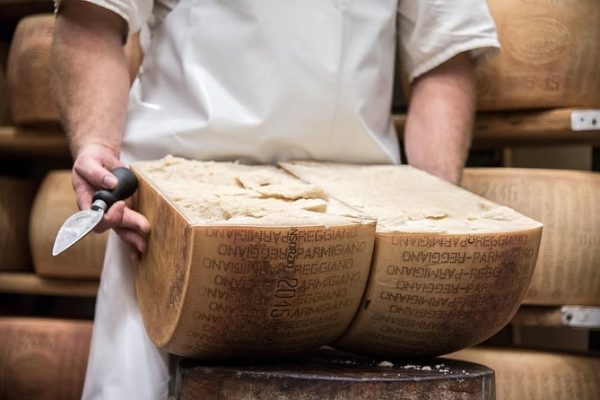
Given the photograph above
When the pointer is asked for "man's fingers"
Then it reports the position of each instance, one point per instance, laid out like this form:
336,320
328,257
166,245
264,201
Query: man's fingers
134,238
94,173
83,192
121,216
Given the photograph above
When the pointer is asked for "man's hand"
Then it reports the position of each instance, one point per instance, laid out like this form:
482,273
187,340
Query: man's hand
440,118
91,87
91,172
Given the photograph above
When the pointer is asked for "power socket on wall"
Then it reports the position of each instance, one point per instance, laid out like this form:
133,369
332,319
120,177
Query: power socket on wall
585,120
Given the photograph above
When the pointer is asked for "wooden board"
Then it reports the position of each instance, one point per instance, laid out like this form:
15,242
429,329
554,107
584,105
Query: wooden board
499,129
29,283
43,359
18,142
336,376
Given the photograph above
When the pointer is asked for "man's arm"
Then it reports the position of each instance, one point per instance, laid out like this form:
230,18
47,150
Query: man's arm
91,86
440,118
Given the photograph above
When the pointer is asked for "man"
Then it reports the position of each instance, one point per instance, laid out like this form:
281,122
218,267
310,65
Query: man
256,81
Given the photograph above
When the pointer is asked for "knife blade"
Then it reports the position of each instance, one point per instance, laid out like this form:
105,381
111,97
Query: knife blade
81,223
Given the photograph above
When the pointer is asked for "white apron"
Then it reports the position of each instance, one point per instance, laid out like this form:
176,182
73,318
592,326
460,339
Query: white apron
258,81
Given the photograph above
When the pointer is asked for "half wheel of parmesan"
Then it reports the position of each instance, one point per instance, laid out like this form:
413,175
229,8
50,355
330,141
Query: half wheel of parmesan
246,260
449,268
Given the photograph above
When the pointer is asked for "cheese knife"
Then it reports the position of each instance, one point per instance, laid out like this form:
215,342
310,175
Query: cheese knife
81,223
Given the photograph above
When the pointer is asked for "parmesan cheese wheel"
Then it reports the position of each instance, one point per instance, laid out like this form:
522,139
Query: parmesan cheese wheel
43,359
16,196
535,375
449,268
54,203
29,70
550,55
4,113
567,203
246,260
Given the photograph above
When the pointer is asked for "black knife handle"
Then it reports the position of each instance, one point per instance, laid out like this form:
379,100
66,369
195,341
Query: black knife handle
126,186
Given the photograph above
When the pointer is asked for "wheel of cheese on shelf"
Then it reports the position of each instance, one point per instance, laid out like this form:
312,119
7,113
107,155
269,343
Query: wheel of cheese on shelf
29,70
43,359
54,203
16,196
536,375
567,203
4,113
550,56
246,260
449,268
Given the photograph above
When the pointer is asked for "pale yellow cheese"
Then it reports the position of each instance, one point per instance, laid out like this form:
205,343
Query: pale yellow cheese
246,260
449,268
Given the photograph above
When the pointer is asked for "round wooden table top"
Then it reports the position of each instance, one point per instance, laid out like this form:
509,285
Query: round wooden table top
332,374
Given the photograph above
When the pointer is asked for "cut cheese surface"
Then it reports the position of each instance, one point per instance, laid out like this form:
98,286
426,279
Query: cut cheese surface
405,199
232,193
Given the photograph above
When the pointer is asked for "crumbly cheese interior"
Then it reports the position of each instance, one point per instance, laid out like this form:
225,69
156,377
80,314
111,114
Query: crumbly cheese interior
208,192
405,199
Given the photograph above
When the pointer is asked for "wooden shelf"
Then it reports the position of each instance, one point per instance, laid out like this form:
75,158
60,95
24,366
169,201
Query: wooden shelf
26,142
29,283
500,129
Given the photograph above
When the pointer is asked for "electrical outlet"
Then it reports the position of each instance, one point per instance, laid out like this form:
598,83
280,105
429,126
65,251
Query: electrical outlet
585,120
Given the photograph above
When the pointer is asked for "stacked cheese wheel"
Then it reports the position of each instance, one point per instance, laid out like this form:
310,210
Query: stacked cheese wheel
54,203
550,56
16,197
4,118
567,203
29,70
43,358
260,262
535,375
